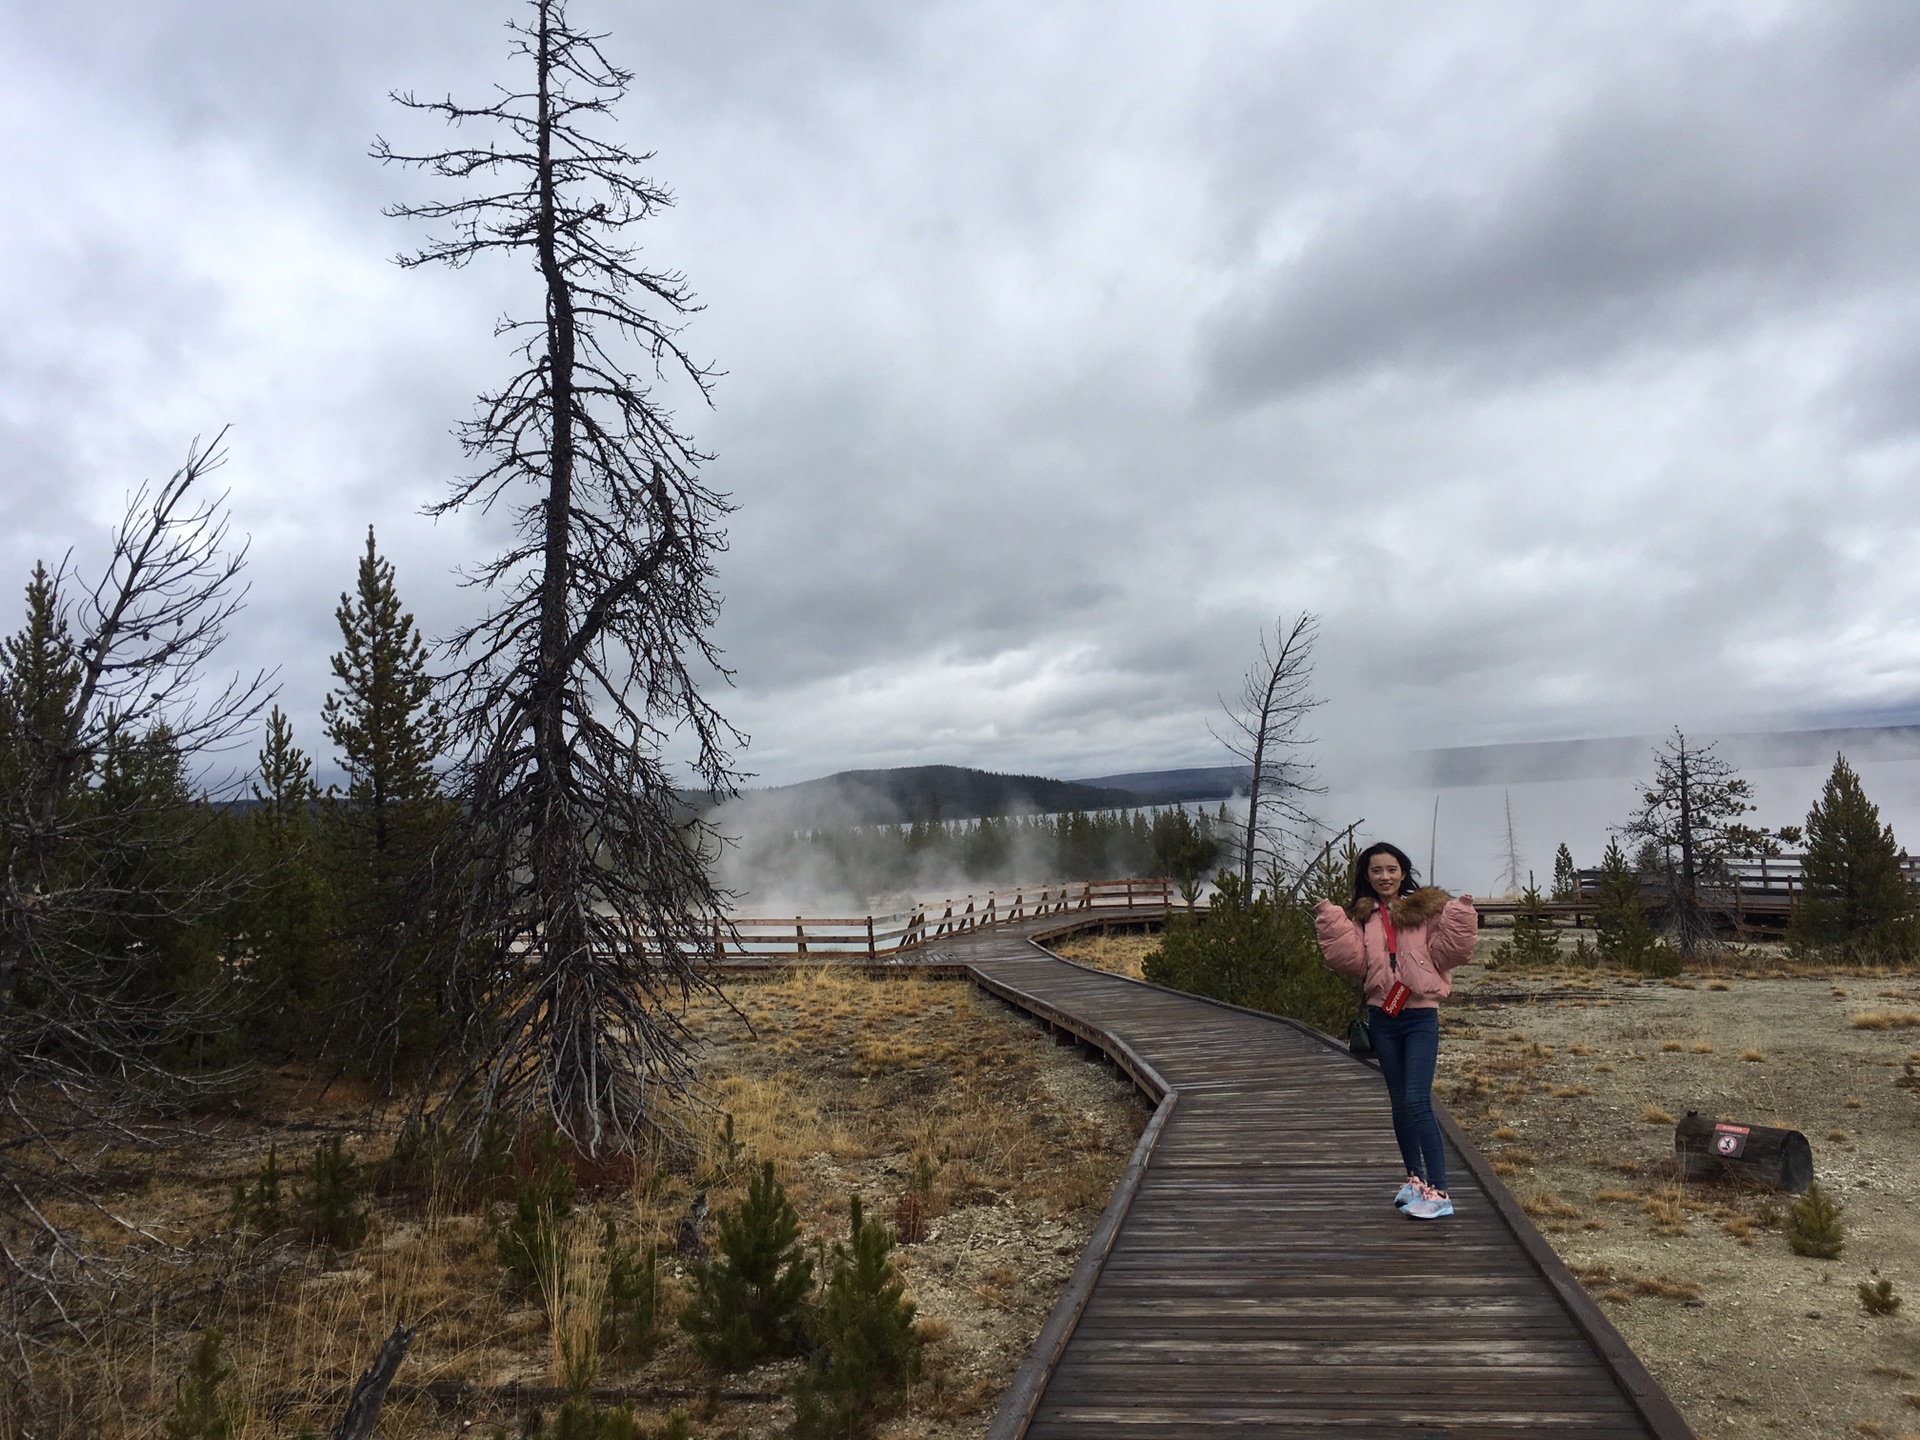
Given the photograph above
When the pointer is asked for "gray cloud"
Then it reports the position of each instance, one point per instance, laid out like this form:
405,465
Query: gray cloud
1560,357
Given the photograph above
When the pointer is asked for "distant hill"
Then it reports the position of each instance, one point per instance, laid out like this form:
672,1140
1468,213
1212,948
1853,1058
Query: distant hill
1209,782
925,792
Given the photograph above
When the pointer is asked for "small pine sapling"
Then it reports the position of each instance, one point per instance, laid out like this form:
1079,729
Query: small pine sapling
633,1296
747,1304
260,1209
1813,1225
1877,1297
868,1352
679,1427
542,1203
331,1198
200,1411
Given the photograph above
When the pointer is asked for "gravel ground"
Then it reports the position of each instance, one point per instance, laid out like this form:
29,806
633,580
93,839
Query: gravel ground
1569,1085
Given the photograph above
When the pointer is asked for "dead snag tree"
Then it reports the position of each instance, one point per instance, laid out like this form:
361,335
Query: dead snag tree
1689,814
113,1002
1265,735
583,877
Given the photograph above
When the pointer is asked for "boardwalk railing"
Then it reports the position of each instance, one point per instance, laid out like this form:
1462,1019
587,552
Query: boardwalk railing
895,936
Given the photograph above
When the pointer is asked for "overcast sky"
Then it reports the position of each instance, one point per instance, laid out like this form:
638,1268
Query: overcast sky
1564,358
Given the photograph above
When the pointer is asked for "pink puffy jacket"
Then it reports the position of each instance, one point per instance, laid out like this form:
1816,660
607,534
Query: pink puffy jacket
1435,934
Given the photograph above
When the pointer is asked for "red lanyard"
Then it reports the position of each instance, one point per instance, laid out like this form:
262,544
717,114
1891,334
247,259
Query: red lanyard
1393,939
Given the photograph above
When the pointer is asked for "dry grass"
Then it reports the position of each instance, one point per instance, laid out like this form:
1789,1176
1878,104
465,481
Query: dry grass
1621,1287
1120,954
1544,1204
1654,1115
1886,1020
1702,1047
1753,1057
1671,1047
850,1078
1718,985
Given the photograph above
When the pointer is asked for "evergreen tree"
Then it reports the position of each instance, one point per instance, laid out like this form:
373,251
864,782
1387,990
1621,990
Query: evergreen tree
868,1351
383,717
1566,880
288,914
1535,938
1856,895
1620,918
389,732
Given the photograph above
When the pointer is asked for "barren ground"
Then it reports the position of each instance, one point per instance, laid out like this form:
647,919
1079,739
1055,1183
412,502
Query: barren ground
1570,1082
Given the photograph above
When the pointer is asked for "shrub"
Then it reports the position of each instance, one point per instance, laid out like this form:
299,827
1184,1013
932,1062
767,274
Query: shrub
261,1209
1813,1225
331,1198
747,1304
1251,950
199,1411
542,1202
1877,1297
868,1351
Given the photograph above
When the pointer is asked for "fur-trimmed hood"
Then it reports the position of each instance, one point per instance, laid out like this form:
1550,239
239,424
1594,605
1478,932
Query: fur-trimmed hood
1415,908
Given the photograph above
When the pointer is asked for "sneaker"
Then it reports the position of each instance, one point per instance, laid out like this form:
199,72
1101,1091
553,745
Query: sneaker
1432,1205
1408,1192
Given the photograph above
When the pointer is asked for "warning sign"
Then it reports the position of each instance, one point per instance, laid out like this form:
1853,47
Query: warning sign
1730,1140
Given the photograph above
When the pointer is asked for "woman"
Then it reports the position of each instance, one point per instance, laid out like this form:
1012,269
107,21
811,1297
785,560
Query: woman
1401,941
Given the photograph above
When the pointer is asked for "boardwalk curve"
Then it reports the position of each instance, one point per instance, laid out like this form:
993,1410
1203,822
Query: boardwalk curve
1249,1275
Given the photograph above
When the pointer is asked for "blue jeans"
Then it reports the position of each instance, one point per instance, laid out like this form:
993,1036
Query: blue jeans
1408,1045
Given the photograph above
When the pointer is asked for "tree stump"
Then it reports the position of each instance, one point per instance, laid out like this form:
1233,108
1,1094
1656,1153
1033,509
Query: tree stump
1757,1154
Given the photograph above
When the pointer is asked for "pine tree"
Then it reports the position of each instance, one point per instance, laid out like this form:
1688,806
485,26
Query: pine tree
1535,938
1856,894
1621,921
1566,880
383,717
747,1303
389,732
868,1353
288,913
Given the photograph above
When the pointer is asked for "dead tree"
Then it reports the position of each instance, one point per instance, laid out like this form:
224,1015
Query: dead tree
1275,701
1689,813
104,714
582,878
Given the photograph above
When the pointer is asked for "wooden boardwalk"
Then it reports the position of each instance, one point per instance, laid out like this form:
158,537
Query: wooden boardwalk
1250,1275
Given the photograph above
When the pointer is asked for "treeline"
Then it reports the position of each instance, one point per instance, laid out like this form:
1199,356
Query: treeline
151,926
930,855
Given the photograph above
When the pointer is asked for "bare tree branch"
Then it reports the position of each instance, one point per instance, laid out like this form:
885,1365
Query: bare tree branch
1275,700
581,878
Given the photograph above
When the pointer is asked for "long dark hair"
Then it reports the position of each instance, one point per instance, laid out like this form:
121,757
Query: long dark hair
1363,888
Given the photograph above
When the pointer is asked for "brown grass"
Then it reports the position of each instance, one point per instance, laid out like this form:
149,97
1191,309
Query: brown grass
850,1078
1753,1057
1886,1020
1120,954
1654,1115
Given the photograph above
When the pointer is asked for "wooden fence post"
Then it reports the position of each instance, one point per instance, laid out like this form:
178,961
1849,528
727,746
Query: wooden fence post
870,950
799,937
719,942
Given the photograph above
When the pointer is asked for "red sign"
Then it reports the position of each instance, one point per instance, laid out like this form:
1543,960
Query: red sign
1730,1140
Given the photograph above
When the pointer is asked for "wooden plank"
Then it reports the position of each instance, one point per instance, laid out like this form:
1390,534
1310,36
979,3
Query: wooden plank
1241,1290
